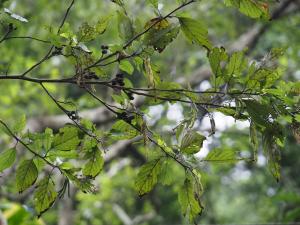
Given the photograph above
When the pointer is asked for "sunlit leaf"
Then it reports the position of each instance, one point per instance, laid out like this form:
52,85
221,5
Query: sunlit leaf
221,156
126,67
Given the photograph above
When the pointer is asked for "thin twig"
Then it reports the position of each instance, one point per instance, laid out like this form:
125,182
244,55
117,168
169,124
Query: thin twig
28,37
26,146
126,45
49,55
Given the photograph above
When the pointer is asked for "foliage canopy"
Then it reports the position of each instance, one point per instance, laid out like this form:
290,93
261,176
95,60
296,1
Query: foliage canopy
244,89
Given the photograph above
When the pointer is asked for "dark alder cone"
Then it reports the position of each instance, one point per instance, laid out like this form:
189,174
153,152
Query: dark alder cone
120,75
10,27
73,115
90,75
122,115
104,47
131,97
118,80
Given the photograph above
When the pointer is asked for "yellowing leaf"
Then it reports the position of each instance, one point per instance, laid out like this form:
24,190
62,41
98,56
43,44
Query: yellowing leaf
251,8
125,27
149,72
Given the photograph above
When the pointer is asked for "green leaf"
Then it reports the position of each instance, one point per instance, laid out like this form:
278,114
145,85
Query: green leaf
161,34
149,72
192,142
162,144
102,24
236,64
89,32
125,27
190,205
48,139
26,175
126,66
44,195
179,131
66,140
251,8
7,158
154,3
95,164
297,117
259,113
118,2
253,139
148,176
216,56
86,33
83,183
167,175
70,154
65,32
272,152
221,155
19,124
88,144
122,130
195,31
99,72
